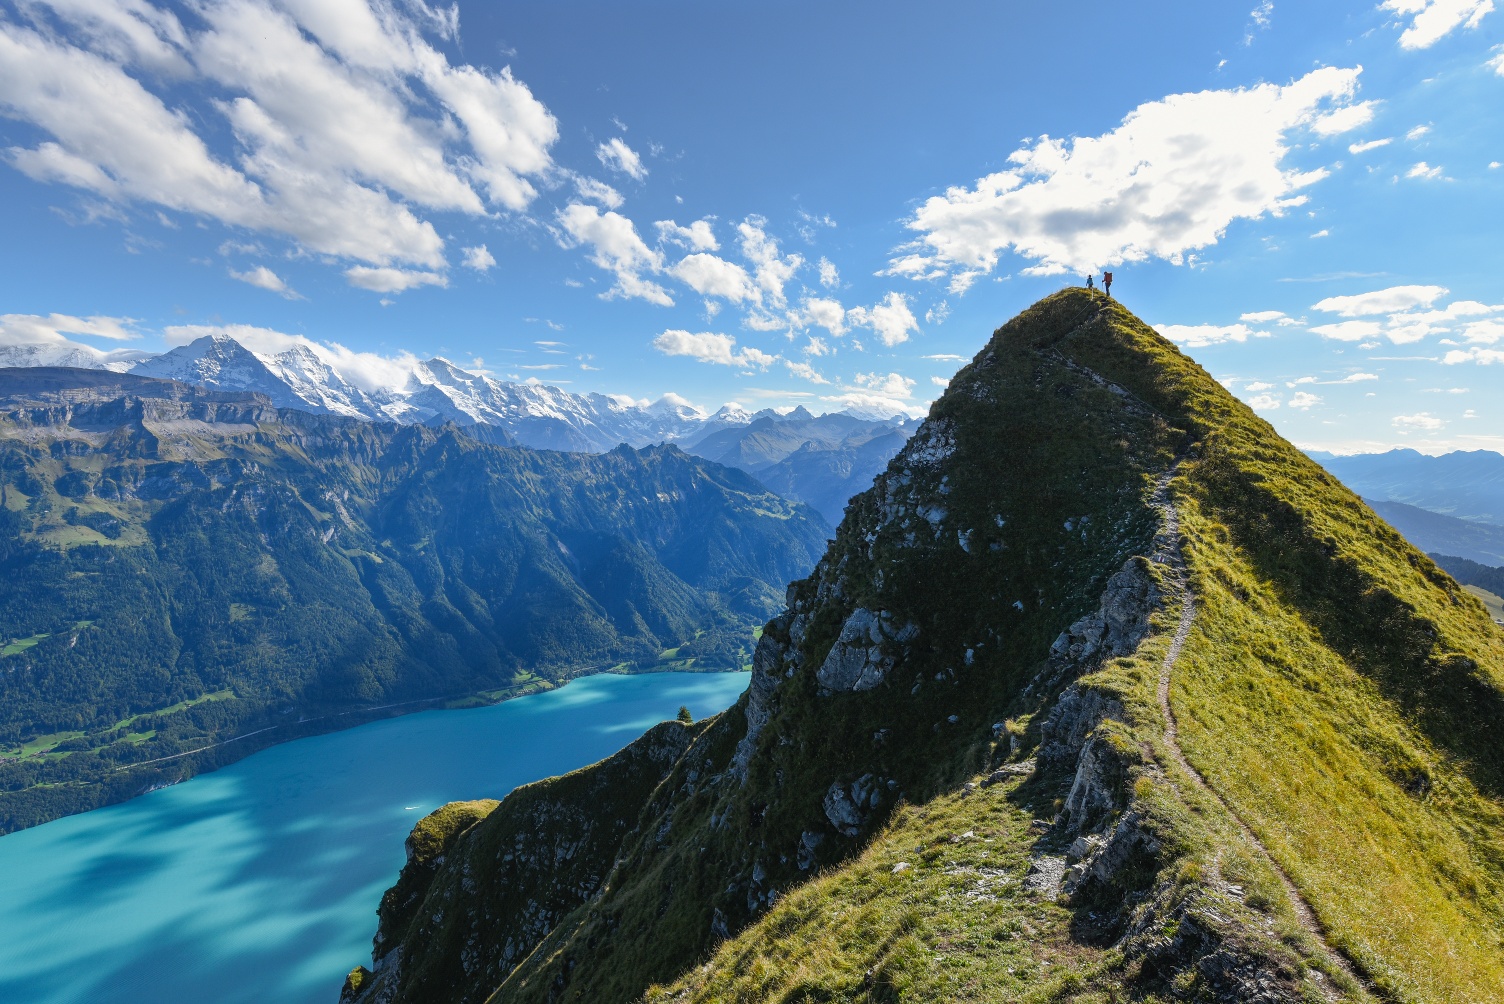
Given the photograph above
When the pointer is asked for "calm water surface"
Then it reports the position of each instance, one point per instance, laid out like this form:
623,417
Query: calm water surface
259,882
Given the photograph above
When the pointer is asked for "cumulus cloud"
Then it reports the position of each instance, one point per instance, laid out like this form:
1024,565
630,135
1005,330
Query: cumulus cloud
1497,63
1424,421
698,236
346,122
1433,20
829,277
477,258
1166,182
1304,400
805,371
1373,144
878,395
1264,402
825,313
42,339
890,319
264,278
709,347
392,280
1197,335
709,275
616,155
1266,316
1424,171
616,247
772,269
1474,354
598,191
1349,331
1381,301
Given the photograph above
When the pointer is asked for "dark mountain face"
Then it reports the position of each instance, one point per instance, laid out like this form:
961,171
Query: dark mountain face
197,566
1103,691
1466,485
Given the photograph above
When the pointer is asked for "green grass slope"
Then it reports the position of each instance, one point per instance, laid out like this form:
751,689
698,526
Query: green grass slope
1102,692
310,571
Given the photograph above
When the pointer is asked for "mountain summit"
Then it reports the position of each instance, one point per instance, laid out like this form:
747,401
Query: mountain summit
1103,691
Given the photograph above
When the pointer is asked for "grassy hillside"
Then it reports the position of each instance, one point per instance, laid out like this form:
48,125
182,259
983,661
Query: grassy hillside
1102,692
204,575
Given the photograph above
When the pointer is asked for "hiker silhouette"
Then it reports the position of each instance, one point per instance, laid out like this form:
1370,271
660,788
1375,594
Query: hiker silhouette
1088,283
1107,283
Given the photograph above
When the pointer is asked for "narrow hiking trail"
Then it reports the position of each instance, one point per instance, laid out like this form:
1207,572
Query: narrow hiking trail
1170,555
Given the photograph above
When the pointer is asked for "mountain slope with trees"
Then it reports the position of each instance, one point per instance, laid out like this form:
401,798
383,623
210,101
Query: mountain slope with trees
189,567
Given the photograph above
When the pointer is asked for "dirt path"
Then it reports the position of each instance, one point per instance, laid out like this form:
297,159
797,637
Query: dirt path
1169,554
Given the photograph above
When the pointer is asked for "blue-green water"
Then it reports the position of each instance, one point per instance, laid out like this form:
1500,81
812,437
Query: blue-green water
259,882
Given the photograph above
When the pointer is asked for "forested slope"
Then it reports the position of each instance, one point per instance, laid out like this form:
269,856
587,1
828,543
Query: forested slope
183,567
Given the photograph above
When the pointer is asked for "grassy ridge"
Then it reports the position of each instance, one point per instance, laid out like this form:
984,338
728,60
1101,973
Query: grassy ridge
1339,694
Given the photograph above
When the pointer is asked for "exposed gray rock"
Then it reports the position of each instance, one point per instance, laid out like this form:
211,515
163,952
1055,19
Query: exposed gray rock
1119,623
1065,731
858,660
1046,872
809,842
1095,790
767,674
849,807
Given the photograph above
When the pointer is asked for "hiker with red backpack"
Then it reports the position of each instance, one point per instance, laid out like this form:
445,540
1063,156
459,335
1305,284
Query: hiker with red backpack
1107,283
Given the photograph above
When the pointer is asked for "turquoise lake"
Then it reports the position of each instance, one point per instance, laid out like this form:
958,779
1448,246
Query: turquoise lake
259,882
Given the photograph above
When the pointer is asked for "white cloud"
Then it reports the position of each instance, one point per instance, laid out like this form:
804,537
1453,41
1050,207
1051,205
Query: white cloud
1349,331
1381,301
890,319
477,258
1198,335
47,335
1265,316
1304,400
941,382
877,394
615,247
598,191
1263,402
1424,421
1484,357
709,347
805,371
264,278
829,277
1433,20
1259,385
1373,144
698,236
938,313
1354,378
1483,332
392,280
1497,63
946,357
825,313
1417,132
772,269
1344,119
346,120
816,346
1322,233
711,276
1424,170
616,155
1168,181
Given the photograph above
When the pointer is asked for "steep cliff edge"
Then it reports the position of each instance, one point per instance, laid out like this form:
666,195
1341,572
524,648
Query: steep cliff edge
1103,691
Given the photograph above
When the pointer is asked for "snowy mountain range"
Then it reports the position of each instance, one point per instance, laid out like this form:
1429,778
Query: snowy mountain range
437,391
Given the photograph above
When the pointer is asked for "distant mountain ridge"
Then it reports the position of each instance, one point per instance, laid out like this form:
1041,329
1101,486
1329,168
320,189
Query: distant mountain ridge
435,391
1465,484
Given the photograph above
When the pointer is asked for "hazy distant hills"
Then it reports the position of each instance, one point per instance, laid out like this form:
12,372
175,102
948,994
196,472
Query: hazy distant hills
1467,485
185,566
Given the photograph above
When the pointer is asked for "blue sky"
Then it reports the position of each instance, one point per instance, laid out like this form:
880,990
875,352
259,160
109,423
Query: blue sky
829,204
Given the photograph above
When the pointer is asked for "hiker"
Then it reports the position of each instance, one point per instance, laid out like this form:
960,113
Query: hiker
1088,283
1107,283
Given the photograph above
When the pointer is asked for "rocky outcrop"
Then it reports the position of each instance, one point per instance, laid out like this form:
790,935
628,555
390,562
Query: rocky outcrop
860,659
